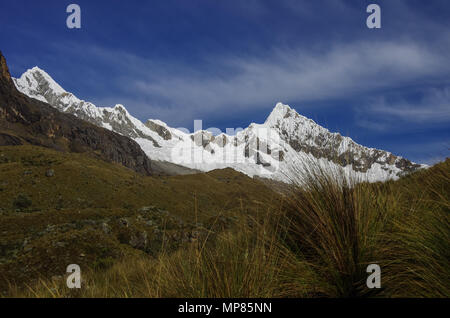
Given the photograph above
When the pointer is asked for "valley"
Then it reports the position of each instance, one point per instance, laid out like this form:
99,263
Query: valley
97,188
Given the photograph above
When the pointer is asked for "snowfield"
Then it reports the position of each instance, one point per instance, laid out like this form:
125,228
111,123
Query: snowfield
285,144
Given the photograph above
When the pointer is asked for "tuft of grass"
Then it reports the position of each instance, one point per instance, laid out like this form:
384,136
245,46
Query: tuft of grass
338,225
334,225
420,235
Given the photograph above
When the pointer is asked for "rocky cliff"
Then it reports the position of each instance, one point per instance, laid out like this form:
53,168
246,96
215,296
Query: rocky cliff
25,120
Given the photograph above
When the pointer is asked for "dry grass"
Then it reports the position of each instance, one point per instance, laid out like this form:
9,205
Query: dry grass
338,226
244,262
316,243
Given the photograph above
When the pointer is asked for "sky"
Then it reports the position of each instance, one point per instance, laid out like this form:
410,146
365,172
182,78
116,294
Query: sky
228,62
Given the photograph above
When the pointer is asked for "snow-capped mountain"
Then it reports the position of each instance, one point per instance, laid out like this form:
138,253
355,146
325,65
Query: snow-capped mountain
283,144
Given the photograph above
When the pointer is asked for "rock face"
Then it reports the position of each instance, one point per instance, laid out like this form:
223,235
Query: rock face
25,120
304,135
277,149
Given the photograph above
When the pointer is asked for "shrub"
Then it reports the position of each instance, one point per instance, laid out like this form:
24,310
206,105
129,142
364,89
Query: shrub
22,201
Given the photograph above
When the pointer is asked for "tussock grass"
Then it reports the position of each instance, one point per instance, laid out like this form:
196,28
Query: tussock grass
420,235
338,225
334,225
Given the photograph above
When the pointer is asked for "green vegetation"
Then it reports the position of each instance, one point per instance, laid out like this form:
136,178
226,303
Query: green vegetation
219,234
94,213
22,201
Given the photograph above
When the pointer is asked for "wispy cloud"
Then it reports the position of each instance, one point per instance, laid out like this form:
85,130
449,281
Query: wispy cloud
228,84
229,63
429,153
433,107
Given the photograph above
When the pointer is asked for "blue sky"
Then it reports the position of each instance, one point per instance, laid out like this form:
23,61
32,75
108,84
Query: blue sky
228,62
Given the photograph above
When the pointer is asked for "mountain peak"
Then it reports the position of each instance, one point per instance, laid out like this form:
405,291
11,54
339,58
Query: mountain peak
281,106
37,69
36,83
37,77
121,108
279,112
38,123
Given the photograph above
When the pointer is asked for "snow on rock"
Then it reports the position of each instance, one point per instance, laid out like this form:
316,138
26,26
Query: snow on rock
280,148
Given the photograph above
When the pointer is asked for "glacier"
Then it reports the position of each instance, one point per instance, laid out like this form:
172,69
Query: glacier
277,149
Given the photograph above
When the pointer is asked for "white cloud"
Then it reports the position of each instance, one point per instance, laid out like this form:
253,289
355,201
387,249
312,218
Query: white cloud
432,108
228,85
241,83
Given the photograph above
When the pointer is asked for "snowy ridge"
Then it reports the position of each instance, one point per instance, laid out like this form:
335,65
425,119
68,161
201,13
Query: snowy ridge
276,149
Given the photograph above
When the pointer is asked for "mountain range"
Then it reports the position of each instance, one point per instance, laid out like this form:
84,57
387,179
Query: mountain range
25,120
278,149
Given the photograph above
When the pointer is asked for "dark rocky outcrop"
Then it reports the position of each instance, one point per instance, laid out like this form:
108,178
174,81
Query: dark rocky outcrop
160,130
24,120
359,158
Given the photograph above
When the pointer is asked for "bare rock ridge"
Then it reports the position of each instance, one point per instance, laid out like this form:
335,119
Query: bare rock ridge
24,120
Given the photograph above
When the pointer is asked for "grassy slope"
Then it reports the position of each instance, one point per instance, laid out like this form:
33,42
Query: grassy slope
317,243
50,222
82,182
